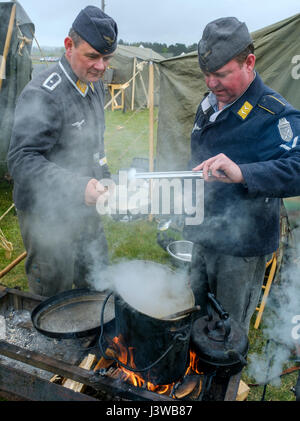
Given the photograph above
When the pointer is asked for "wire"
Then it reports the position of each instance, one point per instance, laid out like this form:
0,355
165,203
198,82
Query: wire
178,336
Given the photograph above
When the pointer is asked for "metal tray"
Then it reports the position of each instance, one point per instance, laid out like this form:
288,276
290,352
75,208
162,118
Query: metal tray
72,314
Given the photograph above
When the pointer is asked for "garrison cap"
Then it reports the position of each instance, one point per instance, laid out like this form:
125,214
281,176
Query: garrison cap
97,29
222,40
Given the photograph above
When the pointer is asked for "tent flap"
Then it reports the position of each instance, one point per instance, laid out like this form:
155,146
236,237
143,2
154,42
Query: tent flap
17,72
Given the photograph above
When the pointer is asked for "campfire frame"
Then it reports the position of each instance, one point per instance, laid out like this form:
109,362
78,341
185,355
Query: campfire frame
16,384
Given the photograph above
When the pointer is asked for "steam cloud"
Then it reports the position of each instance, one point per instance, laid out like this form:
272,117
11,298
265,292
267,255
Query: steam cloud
148,287
279,327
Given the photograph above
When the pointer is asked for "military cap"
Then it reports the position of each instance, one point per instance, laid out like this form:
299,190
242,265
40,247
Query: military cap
97,29
222,40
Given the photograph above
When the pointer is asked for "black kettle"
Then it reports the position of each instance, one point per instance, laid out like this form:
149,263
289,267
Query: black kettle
219,342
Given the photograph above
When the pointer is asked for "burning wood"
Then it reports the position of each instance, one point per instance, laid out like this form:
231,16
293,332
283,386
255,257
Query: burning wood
190,386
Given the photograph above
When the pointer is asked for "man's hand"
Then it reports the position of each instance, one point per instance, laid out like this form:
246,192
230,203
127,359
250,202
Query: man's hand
93,191
221,168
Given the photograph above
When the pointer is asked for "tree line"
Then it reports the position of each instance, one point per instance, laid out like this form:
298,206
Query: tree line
163,49
173,49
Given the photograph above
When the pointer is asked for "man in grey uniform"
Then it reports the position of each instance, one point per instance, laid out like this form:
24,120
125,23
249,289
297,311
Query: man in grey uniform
57,158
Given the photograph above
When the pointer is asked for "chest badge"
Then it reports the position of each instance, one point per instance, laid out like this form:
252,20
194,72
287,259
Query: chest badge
195,128
285,130
245,110
79,124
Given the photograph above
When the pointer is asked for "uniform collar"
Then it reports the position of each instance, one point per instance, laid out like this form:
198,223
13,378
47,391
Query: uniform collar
243,105
80,86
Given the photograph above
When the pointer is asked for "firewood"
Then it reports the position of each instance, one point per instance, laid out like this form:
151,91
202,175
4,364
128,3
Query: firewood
76,386
243,391
56,379
103,362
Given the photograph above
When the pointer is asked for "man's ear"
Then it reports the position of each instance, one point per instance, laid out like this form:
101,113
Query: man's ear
250,62
69,44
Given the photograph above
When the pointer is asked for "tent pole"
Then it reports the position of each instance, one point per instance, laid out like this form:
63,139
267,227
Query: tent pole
151,125
151,116
7,42
133,84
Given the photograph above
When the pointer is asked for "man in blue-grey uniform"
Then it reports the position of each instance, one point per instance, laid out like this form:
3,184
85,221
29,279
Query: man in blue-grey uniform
57,157
245,139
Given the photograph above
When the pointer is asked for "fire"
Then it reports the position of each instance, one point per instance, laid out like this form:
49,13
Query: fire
126,357
193,367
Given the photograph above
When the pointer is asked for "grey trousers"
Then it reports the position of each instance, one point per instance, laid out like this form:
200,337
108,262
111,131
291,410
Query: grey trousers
235,281
62,252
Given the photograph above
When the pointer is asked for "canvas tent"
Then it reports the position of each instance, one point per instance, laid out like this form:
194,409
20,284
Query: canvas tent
182,86
131,64
16,66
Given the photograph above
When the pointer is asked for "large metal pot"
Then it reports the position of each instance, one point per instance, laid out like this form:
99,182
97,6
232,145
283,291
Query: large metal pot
160,346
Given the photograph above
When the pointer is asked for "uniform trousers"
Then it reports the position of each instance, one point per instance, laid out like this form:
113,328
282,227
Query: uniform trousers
235,281
62,252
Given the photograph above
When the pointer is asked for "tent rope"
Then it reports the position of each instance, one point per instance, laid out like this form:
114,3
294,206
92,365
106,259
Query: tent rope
4,243
24,40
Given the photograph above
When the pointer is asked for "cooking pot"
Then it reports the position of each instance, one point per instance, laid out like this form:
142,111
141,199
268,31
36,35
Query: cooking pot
159,346
219,342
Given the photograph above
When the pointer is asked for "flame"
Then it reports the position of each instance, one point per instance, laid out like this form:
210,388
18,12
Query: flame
193,367
126,357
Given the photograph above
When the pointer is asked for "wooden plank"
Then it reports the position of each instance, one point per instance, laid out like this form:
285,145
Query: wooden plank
29,387
94,380
23,300
232,387
87,364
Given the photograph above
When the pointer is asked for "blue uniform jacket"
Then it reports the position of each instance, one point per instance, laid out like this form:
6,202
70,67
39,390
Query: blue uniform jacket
57,142
259,132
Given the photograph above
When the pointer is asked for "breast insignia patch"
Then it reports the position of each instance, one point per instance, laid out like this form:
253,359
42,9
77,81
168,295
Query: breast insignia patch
285,130
245,110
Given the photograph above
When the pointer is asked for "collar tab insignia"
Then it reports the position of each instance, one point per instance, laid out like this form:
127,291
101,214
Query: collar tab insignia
245,110
83,87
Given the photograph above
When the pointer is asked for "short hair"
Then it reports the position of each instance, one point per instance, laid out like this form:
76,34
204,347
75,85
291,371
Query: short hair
241,57
75,37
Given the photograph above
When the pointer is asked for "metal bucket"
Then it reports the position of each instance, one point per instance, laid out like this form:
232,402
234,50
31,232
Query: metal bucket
181,252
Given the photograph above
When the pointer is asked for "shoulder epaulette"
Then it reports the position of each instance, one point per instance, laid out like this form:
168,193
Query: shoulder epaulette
52,81
271,104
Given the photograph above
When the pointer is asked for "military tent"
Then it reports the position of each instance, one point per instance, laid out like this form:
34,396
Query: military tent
182,87
16,35
130,64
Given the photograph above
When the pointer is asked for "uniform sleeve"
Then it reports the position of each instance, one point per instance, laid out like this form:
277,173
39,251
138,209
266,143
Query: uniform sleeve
278,173
37,128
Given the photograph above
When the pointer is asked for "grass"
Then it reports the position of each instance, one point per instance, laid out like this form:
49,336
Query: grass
127,138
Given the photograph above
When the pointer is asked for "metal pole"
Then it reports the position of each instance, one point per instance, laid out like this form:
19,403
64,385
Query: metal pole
103,5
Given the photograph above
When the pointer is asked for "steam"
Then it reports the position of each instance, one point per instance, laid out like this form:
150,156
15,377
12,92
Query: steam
280,328
148,287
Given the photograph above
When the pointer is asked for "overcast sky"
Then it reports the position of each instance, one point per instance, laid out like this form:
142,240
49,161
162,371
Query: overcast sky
164,21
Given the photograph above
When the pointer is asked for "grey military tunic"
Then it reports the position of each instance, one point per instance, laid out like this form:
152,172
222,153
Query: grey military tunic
57,146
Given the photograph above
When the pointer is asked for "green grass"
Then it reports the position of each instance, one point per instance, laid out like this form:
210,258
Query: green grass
126,138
